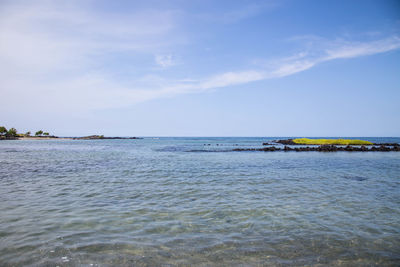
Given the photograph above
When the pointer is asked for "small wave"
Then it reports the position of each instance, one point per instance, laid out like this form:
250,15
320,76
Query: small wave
171,149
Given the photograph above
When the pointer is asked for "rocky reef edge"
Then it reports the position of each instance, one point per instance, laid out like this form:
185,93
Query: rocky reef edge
327,148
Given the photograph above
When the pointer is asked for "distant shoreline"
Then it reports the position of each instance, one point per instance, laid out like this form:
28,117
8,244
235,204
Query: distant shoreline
41,138
91,137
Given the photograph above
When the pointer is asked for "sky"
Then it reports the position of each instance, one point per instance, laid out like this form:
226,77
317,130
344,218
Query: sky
201,68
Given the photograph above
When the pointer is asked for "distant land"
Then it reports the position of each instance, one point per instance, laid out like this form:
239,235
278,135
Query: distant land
94,137
12,134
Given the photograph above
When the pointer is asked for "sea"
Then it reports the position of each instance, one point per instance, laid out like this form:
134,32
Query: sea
164,201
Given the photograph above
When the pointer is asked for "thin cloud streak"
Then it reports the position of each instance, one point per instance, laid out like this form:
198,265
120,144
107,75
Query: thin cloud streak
302,62
286,67
96,91
64,72
351,50
342,50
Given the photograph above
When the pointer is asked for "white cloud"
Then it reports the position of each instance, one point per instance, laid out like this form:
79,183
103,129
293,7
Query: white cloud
42,36
232,78
293,67
165,61
53,58
299,62
281,68
357,49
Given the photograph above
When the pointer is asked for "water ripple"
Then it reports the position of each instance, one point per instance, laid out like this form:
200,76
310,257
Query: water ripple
145,203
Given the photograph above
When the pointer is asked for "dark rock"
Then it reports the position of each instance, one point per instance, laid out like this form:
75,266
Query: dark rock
327,148
272,148
286,142
8,138
287,148
383,148
349,148
97,137
387,144
324,148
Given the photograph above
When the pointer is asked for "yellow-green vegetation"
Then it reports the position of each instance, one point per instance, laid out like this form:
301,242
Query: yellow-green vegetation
307,141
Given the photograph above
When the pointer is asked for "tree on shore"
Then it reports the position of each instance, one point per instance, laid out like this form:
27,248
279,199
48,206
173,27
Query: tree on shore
3,131
12,132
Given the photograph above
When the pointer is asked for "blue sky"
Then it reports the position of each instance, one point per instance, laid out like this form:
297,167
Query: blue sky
201,68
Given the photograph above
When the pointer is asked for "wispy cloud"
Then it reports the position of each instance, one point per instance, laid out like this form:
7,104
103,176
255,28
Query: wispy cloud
331,50
44,35
356,49
290,65
55,57
281,68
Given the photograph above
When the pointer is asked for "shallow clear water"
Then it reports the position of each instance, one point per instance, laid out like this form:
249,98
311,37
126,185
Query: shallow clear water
153,202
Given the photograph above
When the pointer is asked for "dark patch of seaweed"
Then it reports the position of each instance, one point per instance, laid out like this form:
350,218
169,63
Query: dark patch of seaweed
355,178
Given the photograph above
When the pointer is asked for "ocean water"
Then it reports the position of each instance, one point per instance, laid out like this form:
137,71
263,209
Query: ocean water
193,202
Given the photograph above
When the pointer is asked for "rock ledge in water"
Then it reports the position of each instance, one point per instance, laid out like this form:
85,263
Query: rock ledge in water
326,148
97,137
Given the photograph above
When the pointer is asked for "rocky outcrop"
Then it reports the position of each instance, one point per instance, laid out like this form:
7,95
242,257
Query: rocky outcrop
97,137
325,148
8,138
45,137
289,142
387,144
286,142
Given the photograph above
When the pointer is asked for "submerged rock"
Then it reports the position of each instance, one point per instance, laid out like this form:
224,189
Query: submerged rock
267,144
355,178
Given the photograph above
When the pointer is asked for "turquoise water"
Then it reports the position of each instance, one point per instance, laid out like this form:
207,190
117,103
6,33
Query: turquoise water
166,202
